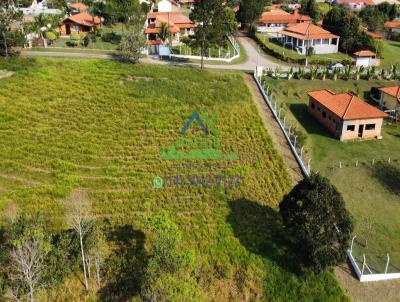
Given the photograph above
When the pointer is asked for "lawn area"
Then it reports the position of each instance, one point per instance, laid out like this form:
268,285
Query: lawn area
391,53
371,192
100,125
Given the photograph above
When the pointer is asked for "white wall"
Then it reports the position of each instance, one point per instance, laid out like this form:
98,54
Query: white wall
164,6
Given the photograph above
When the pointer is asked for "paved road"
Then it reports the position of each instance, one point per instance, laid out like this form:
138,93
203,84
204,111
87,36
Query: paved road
254,58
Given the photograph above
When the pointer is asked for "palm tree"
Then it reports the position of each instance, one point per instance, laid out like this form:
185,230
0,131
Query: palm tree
164,32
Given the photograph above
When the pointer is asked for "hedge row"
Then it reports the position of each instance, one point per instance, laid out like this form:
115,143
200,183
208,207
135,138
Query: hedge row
290,59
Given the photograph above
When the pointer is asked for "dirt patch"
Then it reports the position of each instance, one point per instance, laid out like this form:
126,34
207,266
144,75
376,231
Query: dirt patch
382,291
274,130
5,74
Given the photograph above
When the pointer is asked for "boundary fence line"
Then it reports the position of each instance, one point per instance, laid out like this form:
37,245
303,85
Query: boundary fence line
367,277
236,53
276,112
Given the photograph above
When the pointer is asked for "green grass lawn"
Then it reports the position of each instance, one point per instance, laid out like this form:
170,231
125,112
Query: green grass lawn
391,53
101,125
371,192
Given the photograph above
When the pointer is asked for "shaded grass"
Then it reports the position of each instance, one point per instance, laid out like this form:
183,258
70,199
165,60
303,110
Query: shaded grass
391,51
100,125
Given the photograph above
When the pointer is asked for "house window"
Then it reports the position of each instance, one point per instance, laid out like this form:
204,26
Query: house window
325,41
334,41
319,109
323,114
76,28
312,105
317,42
329,117
370,127
351,127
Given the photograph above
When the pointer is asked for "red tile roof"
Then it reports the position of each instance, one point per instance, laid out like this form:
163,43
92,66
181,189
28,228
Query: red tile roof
365,53
393,91
374,35
307,31
79,6
176,22
83,19
279,16
392,24
346,106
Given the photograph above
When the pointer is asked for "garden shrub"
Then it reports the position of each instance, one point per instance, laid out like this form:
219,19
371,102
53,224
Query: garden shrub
49,35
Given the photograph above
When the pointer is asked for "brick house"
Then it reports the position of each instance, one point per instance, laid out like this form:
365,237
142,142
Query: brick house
346,116
81,22
355,5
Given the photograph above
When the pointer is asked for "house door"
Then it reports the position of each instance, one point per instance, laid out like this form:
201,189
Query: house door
360,130
67,29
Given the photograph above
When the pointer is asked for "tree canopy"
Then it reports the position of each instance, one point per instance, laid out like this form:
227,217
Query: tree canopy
345,24
213,24
251,10
317,222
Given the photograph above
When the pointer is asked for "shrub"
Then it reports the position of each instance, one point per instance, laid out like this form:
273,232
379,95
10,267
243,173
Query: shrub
74,39
49,35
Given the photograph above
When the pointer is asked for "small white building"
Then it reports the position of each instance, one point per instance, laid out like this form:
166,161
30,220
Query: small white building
302,36
365,58
164,6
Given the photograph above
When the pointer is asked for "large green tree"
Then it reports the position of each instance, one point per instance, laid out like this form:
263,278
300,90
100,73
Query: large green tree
10,34
309,8
133,40
251,10
345,24
212,24
317,222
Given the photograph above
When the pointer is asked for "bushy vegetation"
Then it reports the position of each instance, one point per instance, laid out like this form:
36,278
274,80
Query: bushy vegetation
318,224
100,126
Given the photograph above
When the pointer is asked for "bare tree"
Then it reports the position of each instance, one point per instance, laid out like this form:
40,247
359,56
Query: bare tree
27,258
80,218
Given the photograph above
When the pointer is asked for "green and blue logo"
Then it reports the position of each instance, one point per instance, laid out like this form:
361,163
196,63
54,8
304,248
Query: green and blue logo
197,147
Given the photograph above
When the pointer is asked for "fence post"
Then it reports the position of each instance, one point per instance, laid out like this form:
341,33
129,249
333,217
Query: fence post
340,164
363,266
357,163
309,166
284,122
289,132
301,152
389,160
279,114
387,264
295,141
351,246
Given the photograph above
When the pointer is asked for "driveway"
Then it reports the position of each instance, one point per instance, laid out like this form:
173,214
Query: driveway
254,58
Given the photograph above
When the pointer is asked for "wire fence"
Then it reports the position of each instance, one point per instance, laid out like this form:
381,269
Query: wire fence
297,149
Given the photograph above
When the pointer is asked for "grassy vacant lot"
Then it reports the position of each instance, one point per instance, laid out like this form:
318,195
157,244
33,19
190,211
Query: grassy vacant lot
391,51
371,191
100,125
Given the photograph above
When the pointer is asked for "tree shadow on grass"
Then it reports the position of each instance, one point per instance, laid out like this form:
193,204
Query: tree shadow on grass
388,175
312,126
259,229
125,267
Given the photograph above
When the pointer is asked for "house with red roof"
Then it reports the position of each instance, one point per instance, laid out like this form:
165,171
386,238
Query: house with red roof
345,115
78,7
305,35
393,26
365,58
178,25
355,4
277,19
390,98
81,22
